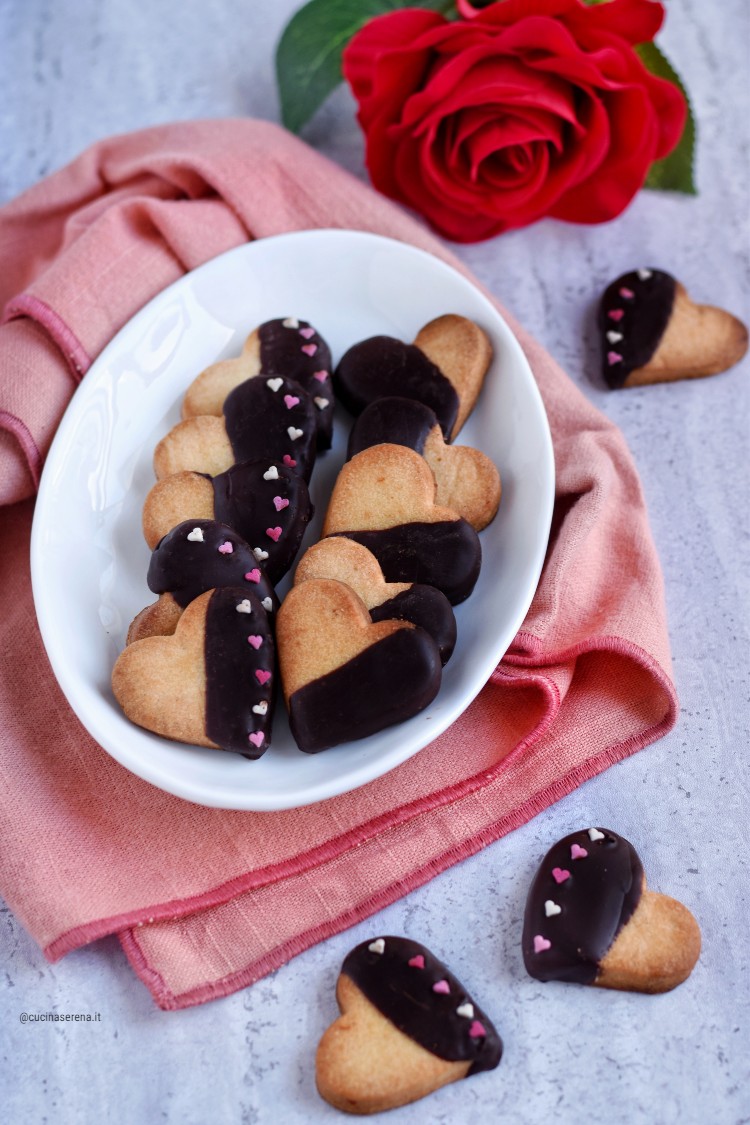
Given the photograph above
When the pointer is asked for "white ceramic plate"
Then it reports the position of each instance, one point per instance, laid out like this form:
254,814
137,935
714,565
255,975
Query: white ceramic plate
89,559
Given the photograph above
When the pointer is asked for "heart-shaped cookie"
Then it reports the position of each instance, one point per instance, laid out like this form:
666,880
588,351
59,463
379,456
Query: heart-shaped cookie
652,332
407,1027
384,498
212,683
265,419
285,346
590,919
344,560
466,479
255,498
345,677
444,368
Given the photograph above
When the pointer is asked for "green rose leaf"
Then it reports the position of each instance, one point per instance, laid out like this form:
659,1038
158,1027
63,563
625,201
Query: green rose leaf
674,172
308,57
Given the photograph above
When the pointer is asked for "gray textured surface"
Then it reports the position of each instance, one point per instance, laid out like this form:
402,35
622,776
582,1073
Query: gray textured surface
77,70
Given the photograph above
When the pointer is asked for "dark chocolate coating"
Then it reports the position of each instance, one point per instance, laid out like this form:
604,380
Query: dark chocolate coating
397,421
404,994
281,353
257,421
244,499
387,683
382,366
424,606
644,319
446,554
186,568
232,688
597,898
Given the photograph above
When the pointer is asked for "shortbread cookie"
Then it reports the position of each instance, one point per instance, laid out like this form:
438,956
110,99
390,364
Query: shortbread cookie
267,504
347,561
444,368
287,346
590,919
193,557
466,479
344,676
407,1027
384,498
652,332
266,419
212,683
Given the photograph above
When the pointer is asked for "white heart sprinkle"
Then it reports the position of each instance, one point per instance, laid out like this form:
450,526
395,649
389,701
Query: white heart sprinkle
614,337
274,384
196,535
290,322
644,274
267,603
260,554
551,908
271,473
377,946
467,1010
321,403
294,433
245,607
260,708
595,834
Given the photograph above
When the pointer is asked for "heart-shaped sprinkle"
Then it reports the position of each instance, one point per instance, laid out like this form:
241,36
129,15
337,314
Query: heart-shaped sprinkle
262,676
260,554
271,473
308,333
273,533
253,575
577,852
616,314
279,503
377,946
225,548
466,1010
288,461
321,376
261,708
290,322
416,962
294,433
255,641
309,349
291,400
441,986
595,834
613,357
541,944
244,606
614,337
321,403
196,535
644,275
477,1030
256,737
559,874
551,908
628,294
274,384
267,604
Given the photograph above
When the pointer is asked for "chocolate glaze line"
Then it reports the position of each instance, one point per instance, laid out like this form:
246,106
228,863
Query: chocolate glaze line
286,348
424,606
636,307
405,994
396,420
258,418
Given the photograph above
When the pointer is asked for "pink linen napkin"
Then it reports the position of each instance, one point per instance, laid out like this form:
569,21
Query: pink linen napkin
207,901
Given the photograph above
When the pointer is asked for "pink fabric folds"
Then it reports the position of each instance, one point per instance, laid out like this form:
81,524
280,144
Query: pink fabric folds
207,901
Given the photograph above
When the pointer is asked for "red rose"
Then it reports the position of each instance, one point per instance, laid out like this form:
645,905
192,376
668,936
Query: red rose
522,109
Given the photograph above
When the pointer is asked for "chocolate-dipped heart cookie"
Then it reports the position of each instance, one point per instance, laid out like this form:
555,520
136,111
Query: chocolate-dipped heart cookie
466,479
444,368
267,504
407,1027
590,919
287,346
652,332
346,561
384,498
212,683
265,419
344,676
193,557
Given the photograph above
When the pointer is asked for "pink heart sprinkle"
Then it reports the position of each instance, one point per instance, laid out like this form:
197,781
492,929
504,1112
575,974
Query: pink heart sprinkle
273,533
616,314
577,852
476,1031
262,676
309,349
256,738
541,944
280,503
613,357
628,294
417,962
321,376
559,874
288,461
291,400
441,986
308,333
255,640
253,575
226,548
